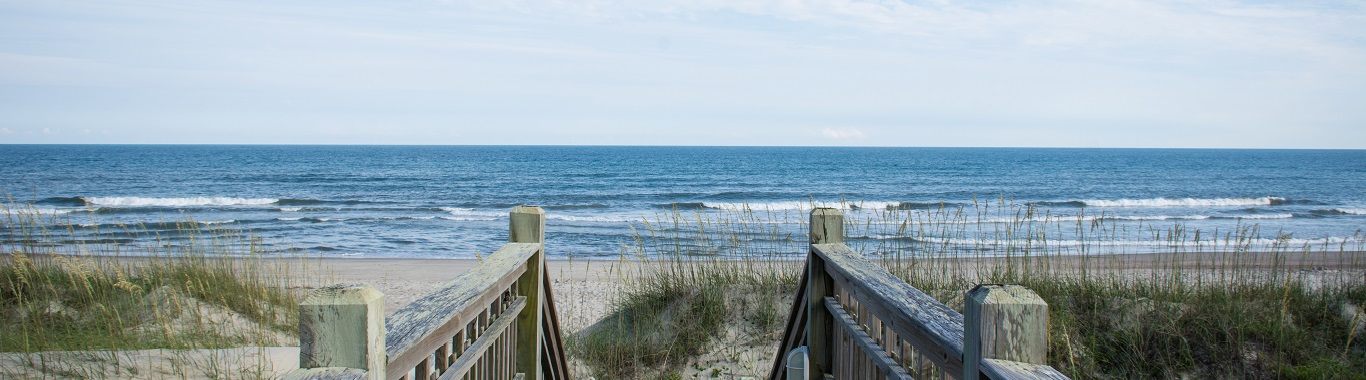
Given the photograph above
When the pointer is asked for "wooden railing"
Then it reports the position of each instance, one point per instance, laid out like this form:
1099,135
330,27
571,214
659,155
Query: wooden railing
858,321
496,321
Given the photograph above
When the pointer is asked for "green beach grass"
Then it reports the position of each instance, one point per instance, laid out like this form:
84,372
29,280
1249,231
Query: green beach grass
1208,305
711,286
212,289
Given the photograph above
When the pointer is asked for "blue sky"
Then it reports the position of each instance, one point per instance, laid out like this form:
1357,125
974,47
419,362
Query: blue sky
1109,73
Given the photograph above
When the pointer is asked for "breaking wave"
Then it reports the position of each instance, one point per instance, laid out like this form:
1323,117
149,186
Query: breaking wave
176,202
1181,202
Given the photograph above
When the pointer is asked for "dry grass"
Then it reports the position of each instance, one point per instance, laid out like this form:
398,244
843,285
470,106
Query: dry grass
1204,304
76,308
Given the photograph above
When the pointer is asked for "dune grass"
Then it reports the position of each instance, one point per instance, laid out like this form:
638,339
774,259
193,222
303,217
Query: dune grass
62,291
1201,304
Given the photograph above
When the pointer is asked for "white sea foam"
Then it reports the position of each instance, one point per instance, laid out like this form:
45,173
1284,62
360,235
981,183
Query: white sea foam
1153,217
212,222
1185,202
462,212
1265,216
598,219
177,202
287,219
467,219
1351,211
291,209
800,205
38,211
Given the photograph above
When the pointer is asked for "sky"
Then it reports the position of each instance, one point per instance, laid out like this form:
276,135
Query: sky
1104,73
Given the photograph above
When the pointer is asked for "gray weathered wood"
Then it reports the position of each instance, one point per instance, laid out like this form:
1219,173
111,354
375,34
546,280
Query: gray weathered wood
415,331
325,373
476,351
889,368
1006,322
1005,369
826,227
343,326
527,225
553,353
935,330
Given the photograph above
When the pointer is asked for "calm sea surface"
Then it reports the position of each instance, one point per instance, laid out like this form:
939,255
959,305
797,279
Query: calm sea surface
451,201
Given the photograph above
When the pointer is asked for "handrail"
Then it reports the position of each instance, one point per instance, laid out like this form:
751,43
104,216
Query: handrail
417,330
495,321
888,367
860,321
499,326
934,329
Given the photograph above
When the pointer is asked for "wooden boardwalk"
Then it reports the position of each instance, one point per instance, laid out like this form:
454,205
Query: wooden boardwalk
851,320
496,321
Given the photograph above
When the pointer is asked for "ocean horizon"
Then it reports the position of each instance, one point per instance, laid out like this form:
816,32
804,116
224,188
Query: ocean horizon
452,201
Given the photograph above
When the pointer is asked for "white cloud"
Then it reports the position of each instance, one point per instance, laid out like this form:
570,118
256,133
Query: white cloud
838,71
5,131
1320,29
843,133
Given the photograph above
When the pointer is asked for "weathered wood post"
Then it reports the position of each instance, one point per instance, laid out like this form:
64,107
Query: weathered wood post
341,328
1006,322
827,227
527,225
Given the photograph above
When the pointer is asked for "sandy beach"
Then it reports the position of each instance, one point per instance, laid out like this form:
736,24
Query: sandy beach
584,291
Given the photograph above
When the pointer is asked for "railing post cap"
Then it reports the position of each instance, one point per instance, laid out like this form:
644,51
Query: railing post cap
528,210
1004,294
826,211
343,294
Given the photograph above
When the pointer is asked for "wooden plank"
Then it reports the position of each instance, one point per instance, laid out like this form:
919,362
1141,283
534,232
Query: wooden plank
863,342
325,373
818,323
476,351
1005,369
556,363
527,225
430,320
826,227
933,329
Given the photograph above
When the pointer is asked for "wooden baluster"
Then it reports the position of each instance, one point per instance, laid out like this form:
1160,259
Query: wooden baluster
423,370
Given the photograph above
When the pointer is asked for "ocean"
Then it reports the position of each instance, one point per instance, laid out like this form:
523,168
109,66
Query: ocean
452,201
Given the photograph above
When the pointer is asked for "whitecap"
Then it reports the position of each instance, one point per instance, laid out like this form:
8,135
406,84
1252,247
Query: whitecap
598,219
177,202
1186,202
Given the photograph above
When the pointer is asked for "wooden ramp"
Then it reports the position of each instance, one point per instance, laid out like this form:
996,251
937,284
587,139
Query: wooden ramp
496,321
858,321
